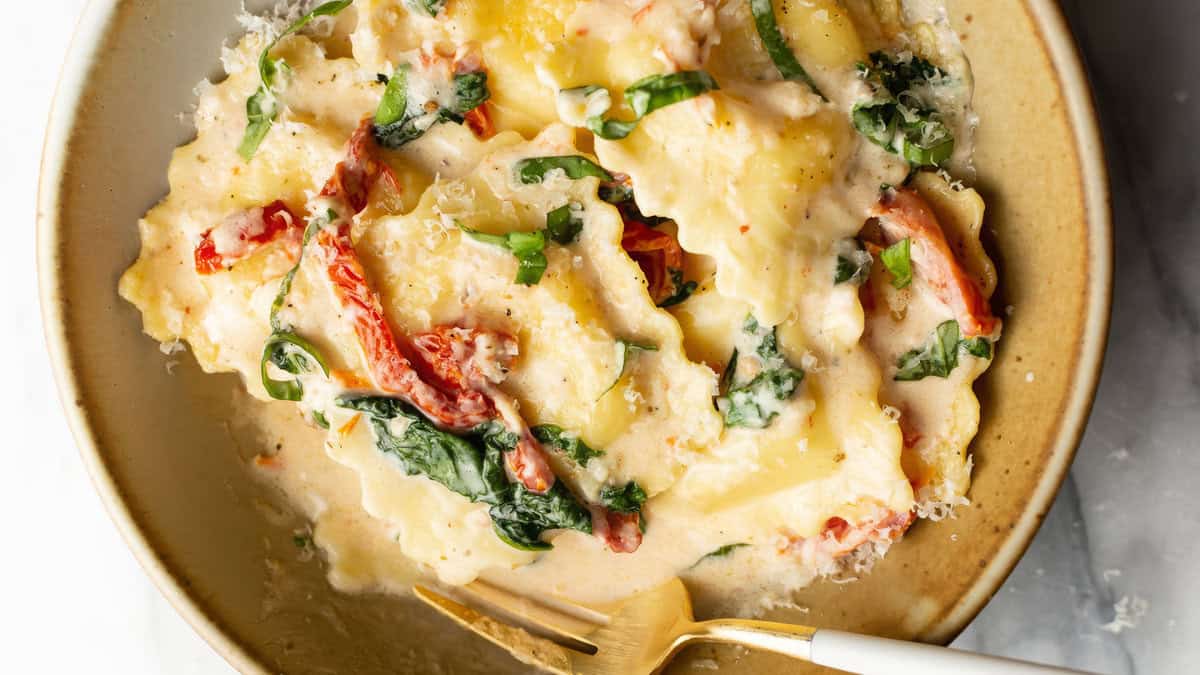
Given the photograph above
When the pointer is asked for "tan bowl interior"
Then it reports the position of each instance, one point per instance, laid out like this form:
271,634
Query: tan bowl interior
175,480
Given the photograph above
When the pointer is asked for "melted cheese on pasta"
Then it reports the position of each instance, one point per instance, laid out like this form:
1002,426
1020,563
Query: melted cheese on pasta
762,179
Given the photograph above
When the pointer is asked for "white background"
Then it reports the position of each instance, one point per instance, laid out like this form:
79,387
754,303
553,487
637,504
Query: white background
72,598
1126,525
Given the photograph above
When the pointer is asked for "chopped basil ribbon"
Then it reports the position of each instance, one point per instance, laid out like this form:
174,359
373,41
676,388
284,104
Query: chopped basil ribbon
777,48
429,8
399,119
533,170
473,467
291,354
683,290
527,247
625,351
853,263
897,258
288,351
755,404
649,94
940,355
901,117
285,287
262,108
564,224
627,498
721,552
572,446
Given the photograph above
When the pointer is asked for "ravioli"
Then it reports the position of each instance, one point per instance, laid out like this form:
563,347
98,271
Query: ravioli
597,285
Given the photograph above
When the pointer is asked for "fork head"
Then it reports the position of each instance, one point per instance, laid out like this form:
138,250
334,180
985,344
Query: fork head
639,636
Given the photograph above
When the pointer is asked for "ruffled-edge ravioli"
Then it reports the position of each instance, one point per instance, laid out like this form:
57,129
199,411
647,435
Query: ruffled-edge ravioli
650,425
939,416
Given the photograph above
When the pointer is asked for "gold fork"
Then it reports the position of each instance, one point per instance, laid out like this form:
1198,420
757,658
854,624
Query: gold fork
642,634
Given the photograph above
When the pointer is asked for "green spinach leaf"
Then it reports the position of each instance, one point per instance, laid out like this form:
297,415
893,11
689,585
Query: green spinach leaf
683,289
524,516
777,47
570,445
262,108
627,498
472,466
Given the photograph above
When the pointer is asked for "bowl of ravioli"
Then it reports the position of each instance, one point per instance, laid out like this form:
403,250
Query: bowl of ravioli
802,302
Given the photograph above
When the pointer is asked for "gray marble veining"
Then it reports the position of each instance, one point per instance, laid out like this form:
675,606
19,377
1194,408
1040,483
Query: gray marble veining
1125,530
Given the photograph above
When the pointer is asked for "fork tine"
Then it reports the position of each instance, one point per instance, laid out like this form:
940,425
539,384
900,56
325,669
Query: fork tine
523,645
547,614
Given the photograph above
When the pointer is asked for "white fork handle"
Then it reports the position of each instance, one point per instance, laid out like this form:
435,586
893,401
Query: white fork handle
871,655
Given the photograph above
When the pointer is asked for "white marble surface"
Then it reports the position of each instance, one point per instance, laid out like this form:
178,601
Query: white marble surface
1125,529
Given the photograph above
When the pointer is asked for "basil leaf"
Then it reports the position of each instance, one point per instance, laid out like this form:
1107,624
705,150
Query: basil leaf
978,347
683,290
261,108
522,518
564,224
530,268
749,405
936,359
616,193
320,419
628,498
853,263
721,552
470,92
285,286
532,170
394,103
611,130
429,8
756,403
897,258
571,446
777,48
291,354
528,248
260,115
940,355
625,350
901,117
400,120
652,93
659,91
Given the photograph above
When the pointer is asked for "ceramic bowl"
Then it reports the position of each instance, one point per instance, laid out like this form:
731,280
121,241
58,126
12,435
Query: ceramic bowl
218,544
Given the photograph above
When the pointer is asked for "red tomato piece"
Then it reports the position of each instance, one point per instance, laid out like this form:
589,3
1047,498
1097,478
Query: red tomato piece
902,214
242,233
